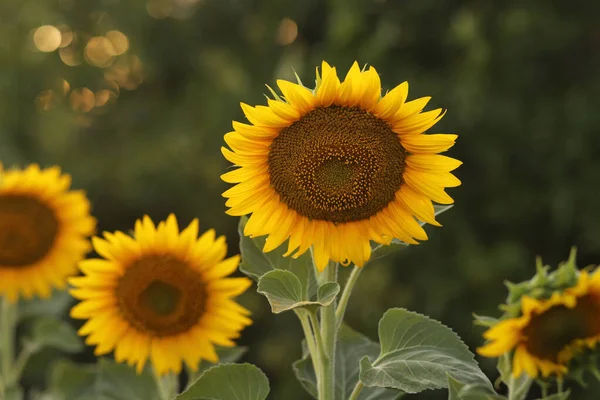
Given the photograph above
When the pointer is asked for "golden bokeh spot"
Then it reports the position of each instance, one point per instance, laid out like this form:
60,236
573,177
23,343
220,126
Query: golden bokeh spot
127,72
70,56
159,9
104,97
287,32
82,100
65,86
28,229
161,295
67,36
119,41
99,52
552,331
47,38
337,164
46,100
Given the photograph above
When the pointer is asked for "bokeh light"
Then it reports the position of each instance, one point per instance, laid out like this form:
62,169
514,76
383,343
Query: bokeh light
70,56
159,9
66,36
82,100
119,41
287,32
47,38
99,52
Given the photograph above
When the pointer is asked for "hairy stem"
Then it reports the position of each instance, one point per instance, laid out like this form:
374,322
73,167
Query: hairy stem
341,309
311,340
329,336
7,342
356,392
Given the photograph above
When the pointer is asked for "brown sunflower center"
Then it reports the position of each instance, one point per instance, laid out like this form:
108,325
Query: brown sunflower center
337,164
28,229
161,295
552,331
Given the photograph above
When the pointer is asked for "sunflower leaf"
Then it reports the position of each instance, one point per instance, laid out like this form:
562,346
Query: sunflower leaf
102,381
380,250
255,263
56,305
54,333
417,353
285,292
229,381
351,347
460,391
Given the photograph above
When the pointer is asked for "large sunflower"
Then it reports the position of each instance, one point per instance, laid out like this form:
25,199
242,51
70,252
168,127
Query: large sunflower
160,295
338,166
43,230
549,332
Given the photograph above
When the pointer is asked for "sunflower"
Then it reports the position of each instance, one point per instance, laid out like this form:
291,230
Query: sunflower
43,231
549,332
160,295
338,166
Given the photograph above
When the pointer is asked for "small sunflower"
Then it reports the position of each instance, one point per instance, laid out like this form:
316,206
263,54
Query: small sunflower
549,332
338,166
160,295
43,231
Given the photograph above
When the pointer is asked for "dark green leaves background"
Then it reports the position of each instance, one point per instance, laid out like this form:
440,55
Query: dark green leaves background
519,79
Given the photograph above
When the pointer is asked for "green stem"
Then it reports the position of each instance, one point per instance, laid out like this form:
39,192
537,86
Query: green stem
8,327
309,334
315,326
356,392
341,309
167,385
28,350
329,336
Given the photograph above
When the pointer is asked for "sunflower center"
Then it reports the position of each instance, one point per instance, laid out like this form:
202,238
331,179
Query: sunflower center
338,164
28,229
554,330
161,295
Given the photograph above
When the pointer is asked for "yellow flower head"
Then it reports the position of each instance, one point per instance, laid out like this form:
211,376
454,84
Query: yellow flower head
44,230
549,332
338,166
160,295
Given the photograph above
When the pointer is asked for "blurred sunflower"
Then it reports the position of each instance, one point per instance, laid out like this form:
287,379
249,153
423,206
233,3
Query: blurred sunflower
43,230
549,332
160,295
338,166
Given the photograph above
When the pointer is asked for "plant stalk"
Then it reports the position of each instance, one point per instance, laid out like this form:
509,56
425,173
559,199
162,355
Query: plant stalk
311,340
356,392
341,308
8,327
167,385
328,324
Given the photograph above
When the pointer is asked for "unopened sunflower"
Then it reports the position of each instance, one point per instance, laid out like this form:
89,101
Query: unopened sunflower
44,230
160,295
338,166
549,332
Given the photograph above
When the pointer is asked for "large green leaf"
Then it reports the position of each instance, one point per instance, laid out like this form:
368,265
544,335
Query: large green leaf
351,347
226,355
285,292
417,353
460,391
56,305
255,263
228,382
380,250
54,333
103,381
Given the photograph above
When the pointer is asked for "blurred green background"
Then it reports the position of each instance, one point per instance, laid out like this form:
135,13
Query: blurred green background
133,97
